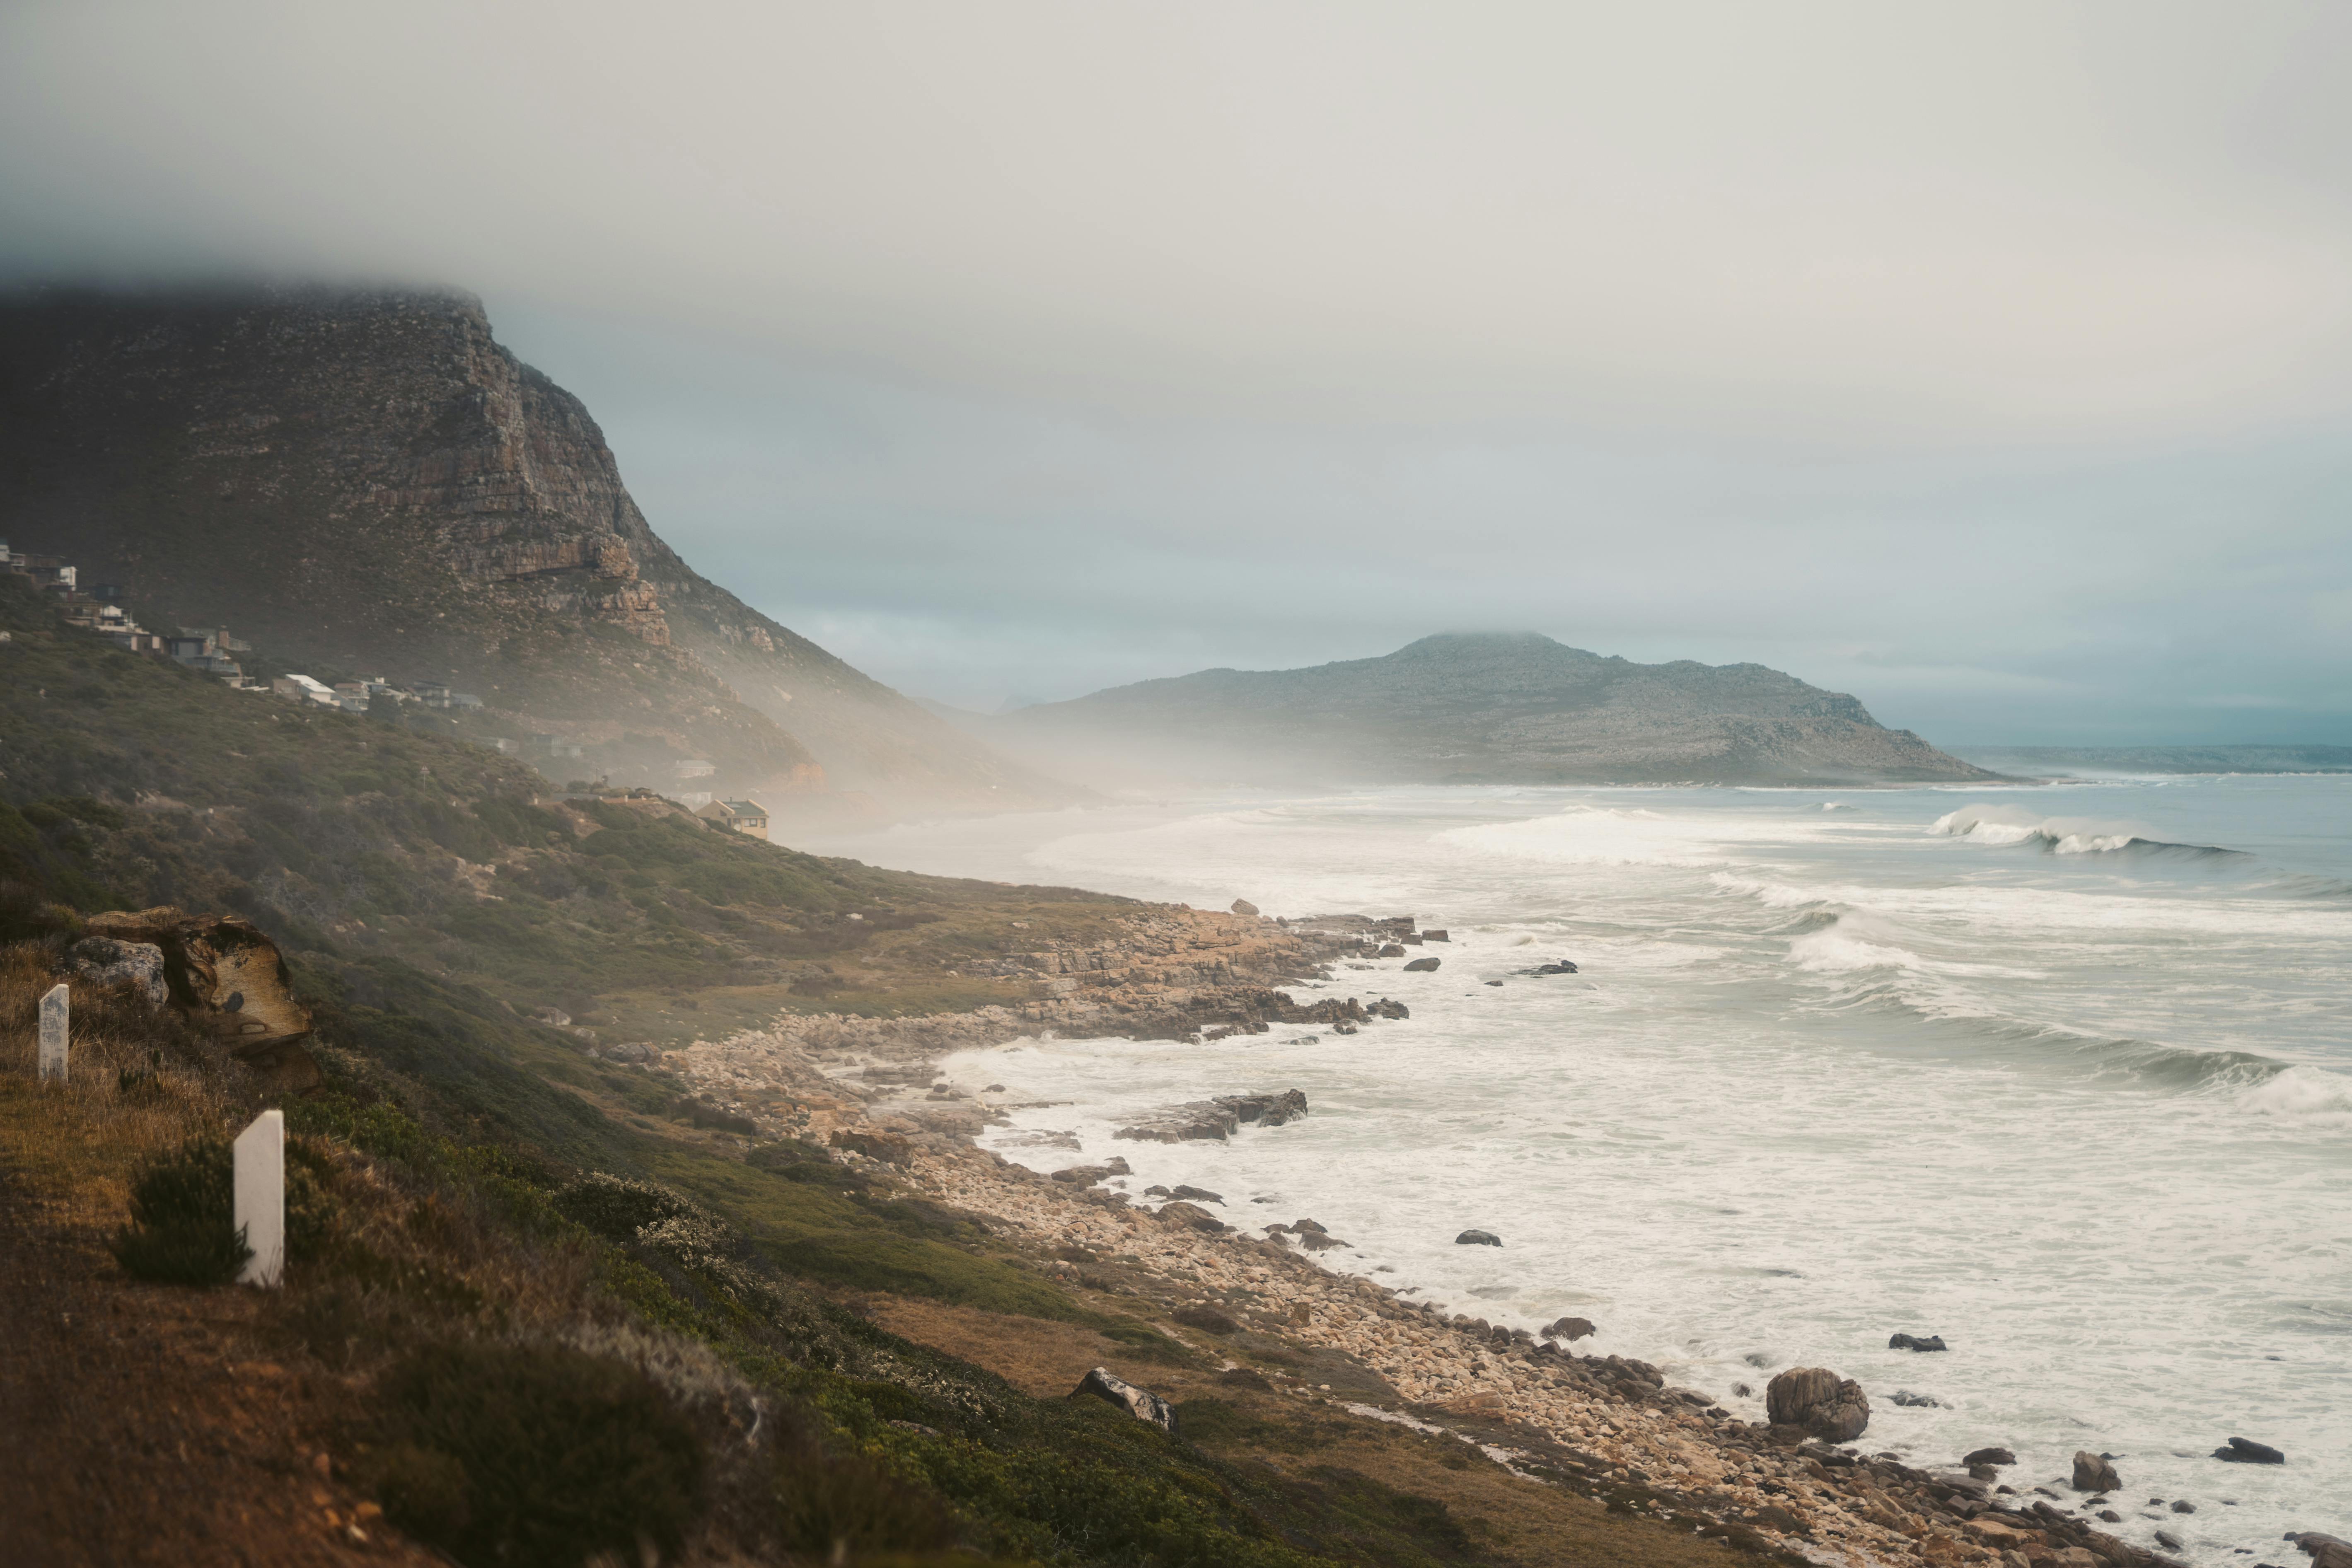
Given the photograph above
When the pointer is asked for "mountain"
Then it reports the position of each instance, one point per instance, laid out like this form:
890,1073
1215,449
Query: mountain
364,483
1480,708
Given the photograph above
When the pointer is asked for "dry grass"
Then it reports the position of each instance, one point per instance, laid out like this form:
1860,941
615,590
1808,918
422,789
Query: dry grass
77,1144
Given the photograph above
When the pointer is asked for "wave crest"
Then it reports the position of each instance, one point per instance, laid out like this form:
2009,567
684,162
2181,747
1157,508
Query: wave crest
2005,825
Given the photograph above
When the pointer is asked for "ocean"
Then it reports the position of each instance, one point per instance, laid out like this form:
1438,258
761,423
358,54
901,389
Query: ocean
2060,1073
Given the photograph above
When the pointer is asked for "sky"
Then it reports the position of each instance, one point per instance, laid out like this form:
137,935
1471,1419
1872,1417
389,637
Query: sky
1989,362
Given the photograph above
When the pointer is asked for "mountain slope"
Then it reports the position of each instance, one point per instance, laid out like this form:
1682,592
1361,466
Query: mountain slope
1483,708
368,482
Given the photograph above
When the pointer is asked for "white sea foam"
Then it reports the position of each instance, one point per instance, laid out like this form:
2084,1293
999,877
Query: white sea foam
1822,1077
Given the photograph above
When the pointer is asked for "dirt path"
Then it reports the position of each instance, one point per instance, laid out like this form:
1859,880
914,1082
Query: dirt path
144,1424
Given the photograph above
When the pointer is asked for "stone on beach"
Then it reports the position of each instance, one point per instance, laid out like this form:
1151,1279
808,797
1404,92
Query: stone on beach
1423,965
1244,908
2093,1473
1196,1194
1139,1403
1816,1399
1477,1238
1570,1328
1194,1217
1989,1457
2246,1451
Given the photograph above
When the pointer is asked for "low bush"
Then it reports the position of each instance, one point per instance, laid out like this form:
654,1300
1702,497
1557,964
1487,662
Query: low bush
181,1231
525,1456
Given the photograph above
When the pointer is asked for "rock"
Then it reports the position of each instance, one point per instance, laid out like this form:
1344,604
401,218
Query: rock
1319,1241
1423,965
1917,1343
1990,1457
1905,1397
1435,936
1391,950
2325,1550
1198,1194
1494,982
1818,1401
1088,1175
1477,1238
1156,1191
1310,1225
2093,1474
1139,1403
1570,1328
2184,1506
1562,967
1217,1119
2165,1539
230,980
1384,1008
1983,1473
1198,1219
1207,1318
104,962
2246,1451
887,1147
1244,907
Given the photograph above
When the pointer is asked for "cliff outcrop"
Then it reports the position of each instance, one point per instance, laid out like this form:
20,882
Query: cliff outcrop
364,483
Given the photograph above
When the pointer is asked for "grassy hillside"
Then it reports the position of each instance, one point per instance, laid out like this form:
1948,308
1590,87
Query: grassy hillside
537,1309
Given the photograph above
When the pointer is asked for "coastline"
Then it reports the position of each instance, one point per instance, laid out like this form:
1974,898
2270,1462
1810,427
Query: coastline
1607,1428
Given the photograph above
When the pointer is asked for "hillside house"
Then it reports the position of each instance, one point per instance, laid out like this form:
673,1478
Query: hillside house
745,816
302,689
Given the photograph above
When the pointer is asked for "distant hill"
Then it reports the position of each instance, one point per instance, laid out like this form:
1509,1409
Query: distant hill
1481,708
2062,761
369,483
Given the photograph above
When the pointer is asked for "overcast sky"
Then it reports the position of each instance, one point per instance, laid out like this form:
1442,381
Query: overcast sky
1991,362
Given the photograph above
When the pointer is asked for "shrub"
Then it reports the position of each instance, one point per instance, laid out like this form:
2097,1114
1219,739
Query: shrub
181,1231
529,1455
843,1508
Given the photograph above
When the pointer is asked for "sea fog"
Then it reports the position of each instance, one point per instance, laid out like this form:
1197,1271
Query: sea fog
2063,1074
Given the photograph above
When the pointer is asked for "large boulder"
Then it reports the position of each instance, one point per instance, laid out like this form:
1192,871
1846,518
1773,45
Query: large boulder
229,979
1139,1403
1917,1343
1245,907
2246,1451
1194,1217
1423,965
2093,1473
1570,1328
1817,1400
1477,1238
105,962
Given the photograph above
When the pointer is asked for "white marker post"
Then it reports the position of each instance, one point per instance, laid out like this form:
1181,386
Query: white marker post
260,1211
54,1037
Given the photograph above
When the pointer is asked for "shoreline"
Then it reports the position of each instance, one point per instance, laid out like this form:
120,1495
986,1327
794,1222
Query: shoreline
1607,1426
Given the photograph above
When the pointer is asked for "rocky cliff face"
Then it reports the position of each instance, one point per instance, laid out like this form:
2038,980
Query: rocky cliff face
364,483
1510,709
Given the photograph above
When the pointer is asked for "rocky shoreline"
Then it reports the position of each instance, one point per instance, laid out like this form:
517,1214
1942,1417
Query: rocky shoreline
1794,1487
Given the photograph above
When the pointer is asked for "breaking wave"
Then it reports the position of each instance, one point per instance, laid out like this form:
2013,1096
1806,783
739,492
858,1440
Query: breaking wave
2005,825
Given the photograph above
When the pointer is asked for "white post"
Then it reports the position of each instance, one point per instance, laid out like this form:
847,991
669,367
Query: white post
54,1015
261,1212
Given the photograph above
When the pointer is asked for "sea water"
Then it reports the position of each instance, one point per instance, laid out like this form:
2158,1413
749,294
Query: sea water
2063,1074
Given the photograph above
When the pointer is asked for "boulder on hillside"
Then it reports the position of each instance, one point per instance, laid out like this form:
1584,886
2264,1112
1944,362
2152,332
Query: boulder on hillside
1818,1401
2093,1473
1193,1217
1139,1403
105,962
229,979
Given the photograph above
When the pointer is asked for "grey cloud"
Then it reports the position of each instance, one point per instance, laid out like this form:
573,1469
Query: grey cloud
1987,361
